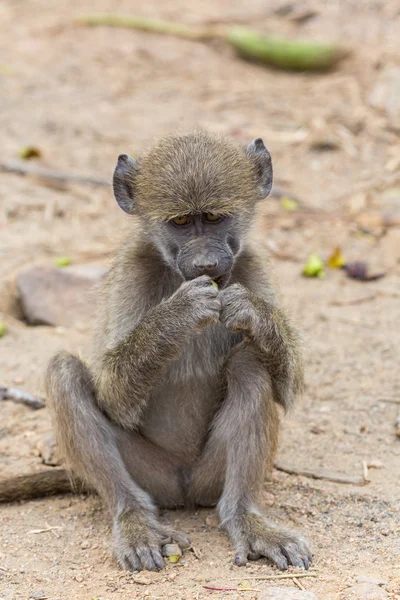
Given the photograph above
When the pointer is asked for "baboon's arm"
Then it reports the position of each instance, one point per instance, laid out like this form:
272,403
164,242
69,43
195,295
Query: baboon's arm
270,331
127,373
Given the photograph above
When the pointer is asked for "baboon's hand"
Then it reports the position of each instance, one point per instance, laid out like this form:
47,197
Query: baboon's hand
237,310
254,536
138,538
198,301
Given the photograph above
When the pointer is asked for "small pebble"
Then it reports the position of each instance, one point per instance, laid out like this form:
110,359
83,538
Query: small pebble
142,580
85,545
268,499
78,578
39,595
171,550
212,521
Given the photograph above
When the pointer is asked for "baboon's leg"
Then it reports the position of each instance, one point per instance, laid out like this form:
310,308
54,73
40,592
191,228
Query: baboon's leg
238,453
94,448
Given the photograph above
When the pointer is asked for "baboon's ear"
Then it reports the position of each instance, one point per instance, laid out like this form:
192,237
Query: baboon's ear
263,165
124,182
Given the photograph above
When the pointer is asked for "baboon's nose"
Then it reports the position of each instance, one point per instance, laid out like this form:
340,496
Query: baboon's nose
205,264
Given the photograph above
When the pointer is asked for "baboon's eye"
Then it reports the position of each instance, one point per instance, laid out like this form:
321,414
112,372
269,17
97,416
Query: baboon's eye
184,220
212,217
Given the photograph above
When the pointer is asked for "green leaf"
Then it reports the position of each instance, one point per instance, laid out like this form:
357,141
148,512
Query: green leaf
3,329
289,204
63,261
314,267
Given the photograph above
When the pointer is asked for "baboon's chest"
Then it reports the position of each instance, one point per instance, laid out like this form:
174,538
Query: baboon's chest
183,404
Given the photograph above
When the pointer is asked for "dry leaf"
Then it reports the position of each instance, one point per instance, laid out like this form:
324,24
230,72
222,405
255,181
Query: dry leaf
243,585
28,152
336,259
359,270
63,261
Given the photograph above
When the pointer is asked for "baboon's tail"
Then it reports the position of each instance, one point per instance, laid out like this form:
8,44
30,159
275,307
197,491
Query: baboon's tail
38,485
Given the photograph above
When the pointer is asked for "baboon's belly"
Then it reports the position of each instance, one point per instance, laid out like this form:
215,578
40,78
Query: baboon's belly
180,412
179,416
181,409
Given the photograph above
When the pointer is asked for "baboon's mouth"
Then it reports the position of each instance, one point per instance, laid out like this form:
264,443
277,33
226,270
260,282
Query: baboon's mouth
222,280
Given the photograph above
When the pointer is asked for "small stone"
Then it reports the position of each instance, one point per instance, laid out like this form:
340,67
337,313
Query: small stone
39,595
268,499
212,520
142,580
79,578
277,593
171,576
317,429
47,449
85,545
374,580
375,464
171,550
368,591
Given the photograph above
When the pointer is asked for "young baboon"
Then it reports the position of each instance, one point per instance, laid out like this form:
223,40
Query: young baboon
178,406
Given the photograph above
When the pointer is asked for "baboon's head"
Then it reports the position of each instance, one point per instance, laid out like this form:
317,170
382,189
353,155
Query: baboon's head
195,195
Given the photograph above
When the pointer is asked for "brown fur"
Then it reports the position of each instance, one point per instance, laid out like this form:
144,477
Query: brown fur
36,485
194,172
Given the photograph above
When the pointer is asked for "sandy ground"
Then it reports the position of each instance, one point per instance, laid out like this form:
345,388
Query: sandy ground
85,95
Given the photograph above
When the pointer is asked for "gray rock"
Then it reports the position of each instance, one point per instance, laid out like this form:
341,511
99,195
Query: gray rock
39,595
277,593
58,296
374,580
386,93
368,591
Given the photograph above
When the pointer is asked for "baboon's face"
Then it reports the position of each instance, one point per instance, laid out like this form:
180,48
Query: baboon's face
195,195
200,244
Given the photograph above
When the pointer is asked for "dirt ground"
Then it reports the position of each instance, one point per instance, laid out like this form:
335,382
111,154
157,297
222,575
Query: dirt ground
85,95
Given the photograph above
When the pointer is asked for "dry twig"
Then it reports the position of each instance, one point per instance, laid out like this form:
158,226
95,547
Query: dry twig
354,301
365,470
196,552
21,397
322,474
390,400
23,168
280,576
46,530
229,589
299,585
